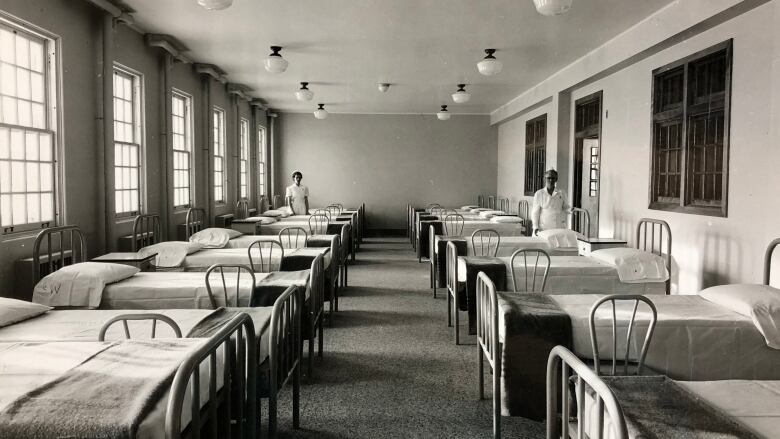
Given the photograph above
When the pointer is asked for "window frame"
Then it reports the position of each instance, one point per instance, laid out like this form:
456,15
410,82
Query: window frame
189,143
139,129
244,180
52,114
261,162
219,142
534,149
685,203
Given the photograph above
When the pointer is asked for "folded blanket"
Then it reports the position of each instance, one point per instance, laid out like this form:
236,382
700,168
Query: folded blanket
558,238
212,323
270,288
106,396
441,261
658,407
533,325
423,236
301,259
170,253
634,265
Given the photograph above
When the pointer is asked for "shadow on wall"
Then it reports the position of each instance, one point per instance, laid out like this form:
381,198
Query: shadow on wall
719,251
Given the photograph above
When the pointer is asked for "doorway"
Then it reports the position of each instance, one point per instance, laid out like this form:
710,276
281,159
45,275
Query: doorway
587,157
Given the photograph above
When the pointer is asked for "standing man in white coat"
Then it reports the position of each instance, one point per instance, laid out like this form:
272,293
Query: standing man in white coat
551,206
298,195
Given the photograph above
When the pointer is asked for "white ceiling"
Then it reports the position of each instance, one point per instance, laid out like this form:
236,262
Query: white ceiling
343,48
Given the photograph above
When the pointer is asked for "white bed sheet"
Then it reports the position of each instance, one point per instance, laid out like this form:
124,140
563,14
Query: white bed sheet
510,244
694,339
203,259
578,275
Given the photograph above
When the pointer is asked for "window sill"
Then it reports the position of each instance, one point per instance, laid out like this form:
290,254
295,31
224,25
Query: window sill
691,210
19,236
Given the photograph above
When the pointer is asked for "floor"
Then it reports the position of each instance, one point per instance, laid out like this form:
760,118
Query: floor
391,368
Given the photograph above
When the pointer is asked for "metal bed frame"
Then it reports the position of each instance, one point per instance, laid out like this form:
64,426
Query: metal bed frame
641,242
124,318
318,224
452,289
491,202
242,208
346,243
522,213
453,224
562,365
768,260
284,354
316,310
146,228
233,269
76,250
525,253
194,221
485,237
579,221
277,202
636,298
481,200
489,344
294,237
265,267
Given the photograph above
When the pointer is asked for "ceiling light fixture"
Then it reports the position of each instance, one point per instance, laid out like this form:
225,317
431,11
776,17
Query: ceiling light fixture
461,96
552,7
320,112
275,63
304,94
383,87
213,5
443,114
490,65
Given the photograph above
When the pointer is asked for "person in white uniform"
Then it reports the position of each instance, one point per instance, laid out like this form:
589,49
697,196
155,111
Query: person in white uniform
550,205
297,195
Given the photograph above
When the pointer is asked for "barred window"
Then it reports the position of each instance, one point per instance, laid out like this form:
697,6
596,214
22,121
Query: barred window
181,134
28,117
690,133
535,153
243,159
261,161
219,155
127,142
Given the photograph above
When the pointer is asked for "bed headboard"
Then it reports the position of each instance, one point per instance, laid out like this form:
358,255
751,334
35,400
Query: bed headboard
146,231
277,202
768,259
64,245
480,200
579,221
242,208
194,222
645,228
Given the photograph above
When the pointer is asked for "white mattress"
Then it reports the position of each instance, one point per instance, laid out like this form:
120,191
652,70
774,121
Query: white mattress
694,339
203,259
510,244
27,366
577,275
161,290
84,325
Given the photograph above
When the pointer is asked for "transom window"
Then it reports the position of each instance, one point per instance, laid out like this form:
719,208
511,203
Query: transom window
535,153
127,142
181,134
219,155
28,154
690,133
243,159
260,161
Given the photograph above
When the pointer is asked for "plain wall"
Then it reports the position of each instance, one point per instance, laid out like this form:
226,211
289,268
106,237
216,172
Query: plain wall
387,161
706,250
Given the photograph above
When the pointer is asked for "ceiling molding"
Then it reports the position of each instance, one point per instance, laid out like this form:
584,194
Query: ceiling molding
169,44
211,70
240,90
259,103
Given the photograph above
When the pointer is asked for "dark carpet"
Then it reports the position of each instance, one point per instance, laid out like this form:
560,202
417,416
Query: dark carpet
391,368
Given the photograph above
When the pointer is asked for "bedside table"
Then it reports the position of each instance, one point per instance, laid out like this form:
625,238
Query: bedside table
587,245
128,258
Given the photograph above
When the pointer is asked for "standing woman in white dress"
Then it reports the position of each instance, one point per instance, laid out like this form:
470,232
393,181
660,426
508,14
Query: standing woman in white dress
297,195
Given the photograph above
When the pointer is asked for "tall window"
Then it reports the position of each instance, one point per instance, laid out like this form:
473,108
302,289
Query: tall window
127,142
219,155
27,129
243,159
690,133
535,153
181,134
260,161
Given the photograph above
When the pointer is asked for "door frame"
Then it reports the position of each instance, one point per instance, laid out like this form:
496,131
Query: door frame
588,132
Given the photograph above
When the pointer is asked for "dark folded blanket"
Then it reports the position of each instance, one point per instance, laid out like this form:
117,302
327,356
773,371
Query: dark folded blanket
270,288
534,324
334,227
319,241
209,326
424,235
441,258
658,407
106,396
495,270
301,258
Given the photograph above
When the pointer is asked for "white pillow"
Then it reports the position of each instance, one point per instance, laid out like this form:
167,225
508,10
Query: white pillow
273,213
506,219
80,284
214,237
559,238
759,302
285,209
633,265
480,209
468,207
170,253
266,220
486,215
14,311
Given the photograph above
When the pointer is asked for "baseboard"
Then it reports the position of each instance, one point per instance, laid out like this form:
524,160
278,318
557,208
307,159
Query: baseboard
386,232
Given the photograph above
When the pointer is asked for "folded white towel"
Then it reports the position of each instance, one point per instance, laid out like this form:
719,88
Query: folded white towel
633,265
559,238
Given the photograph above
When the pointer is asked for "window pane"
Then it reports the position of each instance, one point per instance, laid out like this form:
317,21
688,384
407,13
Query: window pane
47,207
36,56
22,52
18,204
5,143
47,177
17,144
31,145
7,46
38,117
33,208
23,83
5,177
46,148
25,118
33,180
7,79
5,210
10,110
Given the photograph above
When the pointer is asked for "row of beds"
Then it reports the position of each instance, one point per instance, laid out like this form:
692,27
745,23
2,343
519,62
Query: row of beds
687,365
197,351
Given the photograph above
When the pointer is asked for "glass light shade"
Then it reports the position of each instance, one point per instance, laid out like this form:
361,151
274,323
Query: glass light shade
304,94
490,66
383,87
461,96
552,7
320,113
276,64
215,4
443,114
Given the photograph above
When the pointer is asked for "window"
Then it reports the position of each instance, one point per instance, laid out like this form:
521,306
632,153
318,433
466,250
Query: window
181,134
535,153
243,159
28,117
219,155
260,161
127,142
690,133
